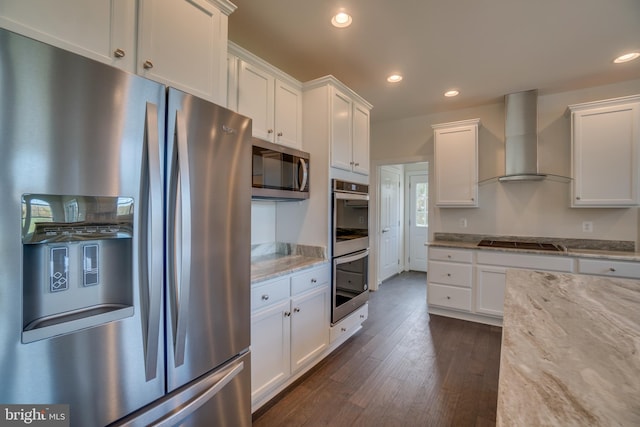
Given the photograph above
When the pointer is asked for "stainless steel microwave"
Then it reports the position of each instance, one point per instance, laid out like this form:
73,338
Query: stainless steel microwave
279,173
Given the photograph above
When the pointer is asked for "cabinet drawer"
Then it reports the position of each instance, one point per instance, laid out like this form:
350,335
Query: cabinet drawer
603,267
527,261
349,324
310,279
270,293
449,296
445,254
450,273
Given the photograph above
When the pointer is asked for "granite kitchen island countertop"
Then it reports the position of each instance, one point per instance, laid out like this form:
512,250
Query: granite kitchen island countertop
570,351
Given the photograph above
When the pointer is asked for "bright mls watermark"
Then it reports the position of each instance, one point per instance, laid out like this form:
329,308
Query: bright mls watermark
34,415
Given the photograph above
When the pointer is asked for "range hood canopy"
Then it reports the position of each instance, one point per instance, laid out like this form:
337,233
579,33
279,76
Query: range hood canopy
521,137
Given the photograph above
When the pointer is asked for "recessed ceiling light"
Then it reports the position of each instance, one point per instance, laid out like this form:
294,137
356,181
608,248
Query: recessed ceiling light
394,78
341,20
627,57
451,93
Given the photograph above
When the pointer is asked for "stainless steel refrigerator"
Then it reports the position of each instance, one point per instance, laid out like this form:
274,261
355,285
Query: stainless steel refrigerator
124,245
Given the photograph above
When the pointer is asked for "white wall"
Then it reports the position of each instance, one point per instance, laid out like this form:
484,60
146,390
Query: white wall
525,209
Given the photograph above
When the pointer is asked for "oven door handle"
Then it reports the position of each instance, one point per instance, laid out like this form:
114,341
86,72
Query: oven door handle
350,196
352,257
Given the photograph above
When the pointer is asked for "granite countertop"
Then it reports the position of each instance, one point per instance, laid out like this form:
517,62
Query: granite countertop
570,351
607,250
272,260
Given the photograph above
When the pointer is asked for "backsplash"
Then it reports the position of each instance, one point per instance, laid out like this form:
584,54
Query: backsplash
604,245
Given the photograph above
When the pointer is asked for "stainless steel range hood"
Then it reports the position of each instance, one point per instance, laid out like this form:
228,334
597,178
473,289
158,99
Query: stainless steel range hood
521,137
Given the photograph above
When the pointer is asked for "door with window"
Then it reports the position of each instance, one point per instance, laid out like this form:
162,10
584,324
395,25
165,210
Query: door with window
418,221
389,223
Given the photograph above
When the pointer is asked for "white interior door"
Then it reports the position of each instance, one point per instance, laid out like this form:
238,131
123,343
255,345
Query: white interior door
389,262
418,221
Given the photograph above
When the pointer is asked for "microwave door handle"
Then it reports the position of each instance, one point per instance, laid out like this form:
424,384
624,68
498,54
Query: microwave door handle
305,173
180,239
151,240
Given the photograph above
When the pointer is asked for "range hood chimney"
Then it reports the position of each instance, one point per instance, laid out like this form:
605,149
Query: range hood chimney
521,137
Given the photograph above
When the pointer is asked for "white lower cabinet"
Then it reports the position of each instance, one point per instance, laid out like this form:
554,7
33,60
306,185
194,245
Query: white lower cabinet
289,329
490,285
450,278
270,348
606,267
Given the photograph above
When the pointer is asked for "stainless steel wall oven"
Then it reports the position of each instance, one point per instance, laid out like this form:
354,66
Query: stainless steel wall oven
350,240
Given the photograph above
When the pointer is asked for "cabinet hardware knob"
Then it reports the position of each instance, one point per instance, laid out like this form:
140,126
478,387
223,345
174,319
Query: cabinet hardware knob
448,297
314,281
279,133
296,310
362,316
147,65
448,274
119,53
343,329
472,199
351,163
612,269
577,197
287,313
356,164
449,256
265,297
269,131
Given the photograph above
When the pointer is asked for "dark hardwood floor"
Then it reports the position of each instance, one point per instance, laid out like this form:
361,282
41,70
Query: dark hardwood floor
403,368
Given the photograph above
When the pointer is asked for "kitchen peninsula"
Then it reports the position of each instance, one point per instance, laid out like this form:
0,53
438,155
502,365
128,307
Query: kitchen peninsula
570,350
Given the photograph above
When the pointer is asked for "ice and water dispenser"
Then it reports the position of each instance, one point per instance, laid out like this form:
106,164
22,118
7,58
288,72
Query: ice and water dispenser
77,263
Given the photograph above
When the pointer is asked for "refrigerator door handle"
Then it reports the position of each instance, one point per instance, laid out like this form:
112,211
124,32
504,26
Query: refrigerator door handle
175,417
151,234
180,253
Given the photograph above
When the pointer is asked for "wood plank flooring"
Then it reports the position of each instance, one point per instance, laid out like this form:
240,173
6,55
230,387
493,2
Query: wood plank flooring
404,368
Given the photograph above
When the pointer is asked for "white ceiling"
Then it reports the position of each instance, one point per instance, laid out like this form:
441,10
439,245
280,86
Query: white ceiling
483,48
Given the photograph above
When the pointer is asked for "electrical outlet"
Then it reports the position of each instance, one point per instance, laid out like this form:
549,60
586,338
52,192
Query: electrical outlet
587,226
463,223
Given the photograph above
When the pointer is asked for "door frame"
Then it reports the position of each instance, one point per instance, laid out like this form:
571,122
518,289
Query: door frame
374,208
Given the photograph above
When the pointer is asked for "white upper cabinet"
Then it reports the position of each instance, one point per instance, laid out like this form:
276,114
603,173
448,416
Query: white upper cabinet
288,115
272,99
456,163
605,147
183,43
360,138
341,120
101,30
349,133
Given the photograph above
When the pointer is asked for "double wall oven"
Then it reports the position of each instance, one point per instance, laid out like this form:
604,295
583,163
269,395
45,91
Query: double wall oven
350,229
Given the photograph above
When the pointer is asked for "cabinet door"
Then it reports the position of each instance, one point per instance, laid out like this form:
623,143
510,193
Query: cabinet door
341,111
490,285
456,165
270,348
360,139
606,144
309,326
288,115
255,99
183,43
95,29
